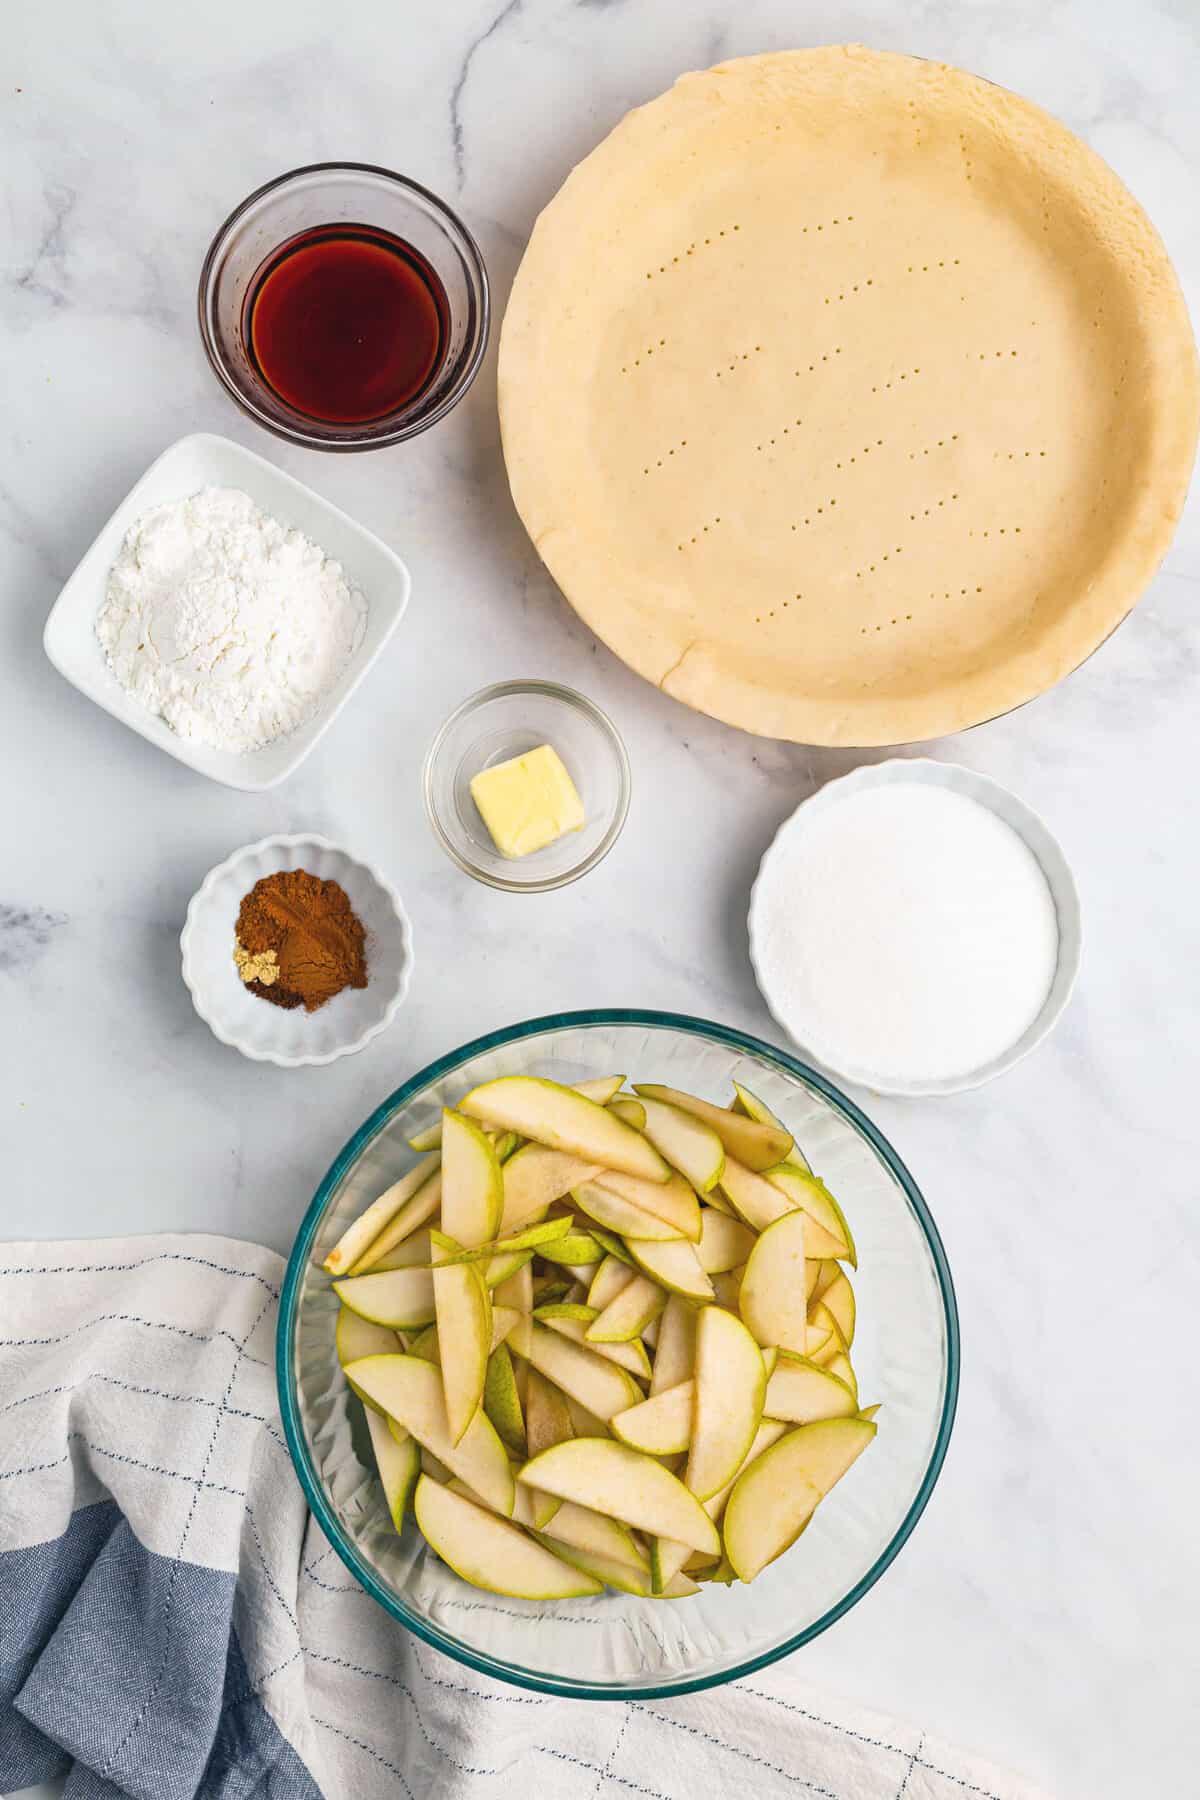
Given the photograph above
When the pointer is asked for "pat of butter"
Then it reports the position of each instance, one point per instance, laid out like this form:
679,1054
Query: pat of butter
527,802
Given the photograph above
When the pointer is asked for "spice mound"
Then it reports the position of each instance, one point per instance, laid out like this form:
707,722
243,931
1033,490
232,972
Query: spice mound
299,940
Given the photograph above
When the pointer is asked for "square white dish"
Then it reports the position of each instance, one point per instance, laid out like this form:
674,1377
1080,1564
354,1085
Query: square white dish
195,462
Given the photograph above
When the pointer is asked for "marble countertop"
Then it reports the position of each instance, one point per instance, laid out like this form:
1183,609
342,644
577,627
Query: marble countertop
1044,1610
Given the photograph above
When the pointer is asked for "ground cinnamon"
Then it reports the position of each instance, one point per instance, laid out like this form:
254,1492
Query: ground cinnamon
299,940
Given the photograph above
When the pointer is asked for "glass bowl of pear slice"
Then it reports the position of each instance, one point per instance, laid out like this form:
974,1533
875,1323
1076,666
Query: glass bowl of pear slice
618,1354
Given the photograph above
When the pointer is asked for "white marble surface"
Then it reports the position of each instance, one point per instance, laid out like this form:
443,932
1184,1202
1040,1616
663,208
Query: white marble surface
1044,1611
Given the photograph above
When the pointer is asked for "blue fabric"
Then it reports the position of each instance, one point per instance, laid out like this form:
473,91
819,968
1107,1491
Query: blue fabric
94,1681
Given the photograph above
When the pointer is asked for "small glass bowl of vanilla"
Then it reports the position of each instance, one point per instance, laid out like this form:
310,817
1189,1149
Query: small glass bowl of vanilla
519,720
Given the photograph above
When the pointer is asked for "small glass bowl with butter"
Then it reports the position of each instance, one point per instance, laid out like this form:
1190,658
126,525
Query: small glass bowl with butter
527,786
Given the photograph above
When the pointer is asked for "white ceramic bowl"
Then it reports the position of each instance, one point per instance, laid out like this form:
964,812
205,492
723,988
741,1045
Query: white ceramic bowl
192,463
1038,839
267,1033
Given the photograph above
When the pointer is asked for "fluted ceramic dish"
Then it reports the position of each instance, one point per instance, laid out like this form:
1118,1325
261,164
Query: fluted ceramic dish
617,1646
267,1033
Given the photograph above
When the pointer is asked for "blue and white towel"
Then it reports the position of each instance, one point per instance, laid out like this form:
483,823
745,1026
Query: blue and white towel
173,1623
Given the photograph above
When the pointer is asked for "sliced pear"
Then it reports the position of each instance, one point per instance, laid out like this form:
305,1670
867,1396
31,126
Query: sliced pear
800,1391
673,1200
401,1298
412,1253
601,1089
754,1108
425,1345
563,1120
355,1337
534,1178
730,1382
721,1571
498,1269
436,1471
529,1237
595,1382
699,1566
829,1234
505,1320
687,1143
775,1497
755,1199
547,1421
410,1391
416,1211
675,1356
564,1309
628,1221
399,1464
724,1244
824,1340
661,1426
773,1299
516,1290
621,1575
502,1402
824,1271
650,1334
838,1300
577,1251
674,1266
756,1145
667,1557
607,1282
717,1200
583,1422
359,1237
472,1184
840,1367
629,1109
629,1312
727,1286
464,1322
590,1531
542,1508
490,1553
581,1275
869,1412
626,1485
613,1245
530,1507
769,1432
629,1355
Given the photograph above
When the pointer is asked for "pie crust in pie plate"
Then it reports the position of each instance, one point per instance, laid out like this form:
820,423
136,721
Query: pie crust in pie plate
849,398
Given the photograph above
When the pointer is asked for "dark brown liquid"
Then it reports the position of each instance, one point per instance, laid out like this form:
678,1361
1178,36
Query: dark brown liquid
346,323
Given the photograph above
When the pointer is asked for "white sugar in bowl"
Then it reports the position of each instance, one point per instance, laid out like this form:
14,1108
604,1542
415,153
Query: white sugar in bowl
915,927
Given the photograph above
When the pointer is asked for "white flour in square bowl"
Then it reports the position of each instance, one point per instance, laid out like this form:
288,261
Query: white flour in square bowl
227,623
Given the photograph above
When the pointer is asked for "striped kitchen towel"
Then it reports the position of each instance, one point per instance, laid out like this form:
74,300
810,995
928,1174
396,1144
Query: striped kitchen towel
173,1623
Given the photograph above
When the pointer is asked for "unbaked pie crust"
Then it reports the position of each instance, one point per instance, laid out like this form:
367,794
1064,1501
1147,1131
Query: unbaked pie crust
847,397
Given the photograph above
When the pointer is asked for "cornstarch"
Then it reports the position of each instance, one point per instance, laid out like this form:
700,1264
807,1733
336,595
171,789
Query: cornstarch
907,931
226,623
